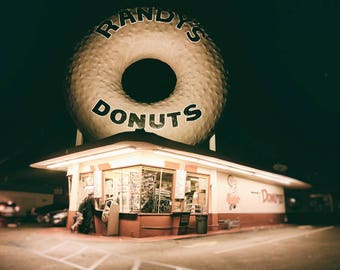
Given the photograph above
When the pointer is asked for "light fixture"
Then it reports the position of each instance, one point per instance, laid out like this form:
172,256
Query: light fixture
229,166
111,153
169,154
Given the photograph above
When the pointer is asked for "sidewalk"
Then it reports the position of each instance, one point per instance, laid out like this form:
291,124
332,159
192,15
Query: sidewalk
63,232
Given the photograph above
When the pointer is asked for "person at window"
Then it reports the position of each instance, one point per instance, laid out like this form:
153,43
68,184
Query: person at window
84,219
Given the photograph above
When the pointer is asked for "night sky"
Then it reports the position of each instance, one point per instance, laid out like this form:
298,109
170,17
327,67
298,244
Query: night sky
283,104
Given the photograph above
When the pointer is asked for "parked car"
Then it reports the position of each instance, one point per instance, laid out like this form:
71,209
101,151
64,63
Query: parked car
44,213
9,209
9,214
58,218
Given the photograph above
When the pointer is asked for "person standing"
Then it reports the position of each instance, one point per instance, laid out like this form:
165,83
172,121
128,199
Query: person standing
84,222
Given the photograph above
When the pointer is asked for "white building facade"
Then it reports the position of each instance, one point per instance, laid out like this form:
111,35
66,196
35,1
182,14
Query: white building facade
156,182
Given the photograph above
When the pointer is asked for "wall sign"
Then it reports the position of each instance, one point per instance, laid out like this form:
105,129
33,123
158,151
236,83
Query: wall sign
100,106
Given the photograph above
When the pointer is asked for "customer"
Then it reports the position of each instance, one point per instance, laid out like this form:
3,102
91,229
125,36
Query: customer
84,219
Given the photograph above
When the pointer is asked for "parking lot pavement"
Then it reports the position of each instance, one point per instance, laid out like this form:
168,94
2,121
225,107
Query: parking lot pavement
63,232
279,247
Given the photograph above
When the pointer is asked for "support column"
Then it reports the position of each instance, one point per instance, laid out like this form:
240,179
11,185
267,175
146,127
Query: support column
73,204
212,143
213,201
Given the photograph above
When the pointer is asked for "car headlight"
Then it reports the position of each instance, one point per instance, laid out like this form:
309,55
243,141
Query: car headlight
60,215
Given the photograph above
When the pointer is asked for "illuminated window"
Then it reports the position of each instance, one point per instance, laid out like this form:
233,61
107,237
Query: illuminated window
85,186
156,190
196,193
140,189
117,186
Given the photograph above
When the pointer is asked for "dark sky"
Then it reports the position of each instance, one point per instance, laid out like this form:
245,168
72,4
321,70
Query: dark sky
283,58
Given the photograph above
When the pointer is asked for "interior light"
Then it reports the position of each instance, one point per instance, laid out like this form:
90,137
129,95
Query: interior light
169,154
229,166
224,167
274,178
112,153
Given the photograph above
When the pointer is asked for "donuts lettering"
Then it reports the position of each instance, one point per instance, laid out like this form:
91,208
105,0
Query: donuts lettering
95,95
119,116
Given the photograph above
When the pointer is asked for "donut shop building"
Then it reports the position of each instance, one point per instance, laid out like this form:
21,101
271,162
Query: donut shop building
155,182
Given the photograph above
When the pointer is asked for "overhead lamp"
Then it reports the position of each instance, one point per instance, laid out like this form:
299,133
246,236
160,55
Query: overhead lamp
229,166
224,166
111,153
169,154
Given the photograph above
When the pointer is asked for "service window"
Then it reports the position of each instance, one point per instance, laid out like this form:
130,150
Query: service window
85,186
196,193
156,190
117,187
140,189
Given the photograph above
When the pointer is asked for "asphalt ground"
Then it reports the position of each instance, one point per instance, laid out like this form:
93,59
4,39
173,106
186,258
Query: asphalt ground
272,247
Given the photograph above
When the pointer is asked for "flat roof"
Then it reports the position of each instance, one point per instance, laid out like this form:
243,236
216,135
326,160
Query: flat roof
141,140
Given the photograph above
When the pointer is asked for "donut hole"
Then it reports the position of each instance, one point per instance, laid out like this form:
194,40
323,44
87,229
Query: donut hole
149,80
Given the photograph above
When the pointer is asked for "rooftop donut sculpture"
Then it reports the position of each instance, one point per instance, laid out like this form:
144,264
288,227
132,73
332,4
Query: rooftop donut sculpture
101,107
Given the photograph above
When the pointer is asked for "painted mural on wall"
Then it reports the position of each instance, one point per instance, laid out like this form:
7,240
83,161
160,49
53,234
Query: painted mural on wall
246,196
232,196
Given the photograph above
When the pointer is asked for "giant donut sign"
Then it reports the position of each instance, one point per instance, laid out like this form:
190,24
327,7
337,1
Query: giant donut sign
97,101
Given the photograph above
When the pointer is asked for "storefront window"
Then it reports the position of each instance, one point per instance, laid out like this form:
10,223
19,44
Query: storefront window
156,190
86,186
140,189
117,185
196,190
